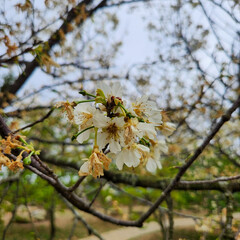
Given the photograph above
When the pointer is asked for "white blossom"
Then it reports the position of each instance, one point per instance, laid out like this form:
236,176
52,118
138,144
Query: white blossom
95,163
111,132
131,155
147,110
134,128
115,90
83,117
154,157
167,128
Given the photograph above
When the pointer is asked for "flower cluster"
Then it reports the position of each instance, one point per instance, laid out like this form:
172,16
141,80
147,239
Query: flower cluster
128,132
15,143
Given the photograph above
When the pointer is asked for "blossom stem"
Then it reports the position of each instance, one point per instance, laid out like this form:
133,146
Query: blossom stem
23,141
123,108
84,93
128,114
84,101
77,134
144,141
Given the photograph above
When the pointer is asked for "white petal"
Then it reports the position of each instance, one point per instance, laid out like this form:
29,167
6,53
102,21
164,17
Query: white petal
128,157
105,88
99,120
84,168
116,90
120,160
159,165
119,121
148,129
102,139
114,146
133,158
168,129
143,148
162,145
155,116
151,165
83,136
143,99
152,104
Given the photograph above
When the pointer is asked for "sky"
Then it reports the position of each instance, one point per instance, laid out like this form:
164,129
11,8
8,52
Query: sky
139,45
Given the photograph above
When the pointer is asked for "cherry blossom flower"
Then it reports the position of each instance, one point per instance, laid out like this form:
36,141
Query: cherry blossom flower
66,107
115,90
147,110
111,132
154,156
95,163
167,128
83,117
128,133
134,128
131,155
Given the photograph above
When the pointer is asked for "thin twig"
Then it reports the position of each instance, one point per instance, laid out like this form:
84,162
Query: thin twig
76,214
5,191
36,234
75,221
190,161
36,122
15,204
76,185
97,193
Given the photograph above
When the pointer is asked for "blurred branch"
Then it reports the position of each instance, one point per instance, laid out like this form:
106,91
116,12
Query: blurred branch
97,193
230,14
46,173
211,24
18,112
169,202
75,221
145,201
36,234
51,212
58,142
227,233
15,205
78,217
12,178
5,191
232,160
189,162
76,185
36,122
152,181
55,39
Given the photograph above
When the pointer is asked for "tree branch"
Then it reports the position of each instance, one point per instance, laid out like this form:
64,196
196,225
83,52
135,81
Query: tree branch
184,168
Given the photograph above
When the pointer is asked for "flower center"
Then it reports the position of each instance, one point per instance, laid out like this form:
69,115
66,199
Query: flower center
112,129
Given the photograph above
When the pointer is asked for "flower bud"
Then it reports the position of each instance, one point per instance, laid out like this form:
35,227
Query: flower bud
27,160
